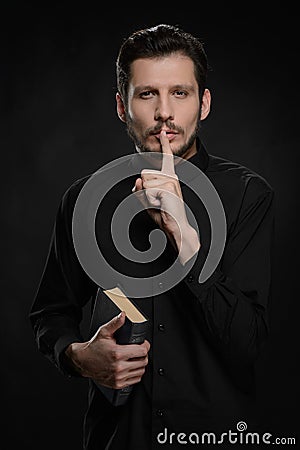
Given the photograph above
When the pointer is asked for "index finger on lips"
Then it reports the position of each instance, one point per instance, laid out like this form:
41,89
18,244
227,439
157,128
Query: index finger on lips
167,166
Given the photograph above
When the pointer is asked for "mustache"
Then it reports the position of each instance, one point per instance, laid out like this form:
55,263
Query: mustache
156,129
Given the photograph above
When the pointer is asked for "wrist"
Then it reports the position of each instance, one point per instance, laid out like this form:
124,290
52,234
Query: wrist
187,243
73,357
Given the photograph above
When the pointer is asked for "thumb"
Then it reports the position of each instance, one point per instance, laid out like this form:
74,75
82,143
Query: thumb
108,329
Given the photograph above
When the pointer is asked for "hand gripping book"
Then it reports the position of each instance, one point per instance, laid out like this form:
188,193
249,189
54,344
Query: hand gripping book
108,304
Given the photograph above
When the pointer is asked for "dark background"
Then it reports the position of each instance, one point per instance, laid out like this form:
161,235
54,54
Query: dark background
58,123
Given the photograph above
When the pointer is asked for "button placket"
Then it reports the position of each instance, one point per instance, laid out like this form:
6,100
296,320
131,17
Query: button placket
159,372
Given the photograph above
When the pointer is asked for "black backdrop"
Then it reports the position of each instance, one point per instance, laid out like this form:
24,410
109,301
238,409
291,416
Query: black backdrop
58,123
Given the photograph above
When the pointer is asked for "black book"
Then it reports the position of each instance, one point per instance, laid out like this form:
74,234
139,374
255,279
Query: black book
108,304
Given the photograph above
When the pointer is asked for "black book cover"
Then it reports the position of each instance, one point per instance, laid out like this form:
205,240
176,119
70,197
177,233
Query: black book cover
108,304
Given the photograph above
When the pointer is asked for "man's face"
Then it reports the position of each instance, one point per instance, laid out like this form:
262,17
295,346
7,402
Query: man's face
163,94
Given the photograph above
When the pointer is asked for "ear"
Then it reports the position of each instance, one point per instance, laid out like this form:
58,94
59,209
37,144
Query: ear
205,105
120,107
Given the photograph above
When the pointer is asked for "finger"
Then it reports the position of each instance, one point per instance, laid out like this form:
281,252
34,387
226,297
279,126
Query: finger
107,330
137,350
130,381
139,192
126,381
134,350
134,373
138,185
147,345
165,182
167,166
135,364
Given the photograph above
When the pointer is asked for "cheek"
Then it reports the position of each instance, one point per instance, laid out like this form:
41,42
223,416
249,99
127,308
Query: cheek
139,112
188,116
189,122
140,121
195,117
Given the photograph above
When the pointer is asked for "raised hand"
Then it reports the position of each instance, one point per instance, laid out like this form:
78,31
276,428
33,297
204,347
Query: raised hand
160,193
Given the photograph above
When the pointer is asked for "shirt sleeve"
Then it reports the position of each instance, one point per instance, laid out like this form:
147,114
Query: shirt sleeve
234,301
64,289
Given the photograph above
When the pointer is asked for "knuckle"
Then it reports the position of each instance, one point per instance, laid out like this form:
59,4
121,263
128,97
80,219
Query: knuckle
117,379
117,370
170,186
117,385
115,354
101,332
146,347
144,352
144,174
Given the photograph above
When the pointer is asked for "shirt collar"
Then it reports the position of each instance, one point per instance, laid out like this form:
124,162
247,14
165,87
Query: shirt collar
200,159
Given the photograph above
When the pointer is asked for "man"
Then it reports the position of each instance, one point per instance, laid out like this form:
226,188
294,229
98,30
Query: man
194,373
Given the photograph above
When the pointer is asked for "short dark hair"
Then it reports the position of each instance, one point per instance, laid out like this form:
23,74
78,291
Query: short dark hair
160,40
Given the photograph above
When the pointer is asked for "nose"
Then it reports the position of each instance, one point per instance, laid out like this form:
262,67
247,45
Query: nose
163,110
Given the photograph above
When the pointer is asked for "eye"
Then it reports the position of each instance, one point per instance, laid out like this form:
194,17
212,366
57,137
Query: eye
180,94
146,94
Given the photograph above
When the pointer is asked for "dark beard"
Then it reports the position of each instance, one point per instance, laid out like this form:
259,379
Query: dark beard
144,149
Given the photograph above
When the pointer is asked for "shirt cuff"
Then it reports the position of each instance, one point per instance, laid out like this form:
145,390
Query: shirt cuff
192,278
62,362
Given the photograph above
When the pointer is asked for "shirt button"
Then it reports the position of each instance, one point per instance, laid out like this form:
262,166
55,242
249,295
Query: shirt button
190,278
161,371
161,327
159,412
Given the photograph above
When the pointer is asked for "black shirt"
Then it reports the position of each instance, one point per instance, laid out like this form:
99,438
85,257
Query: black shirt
205,337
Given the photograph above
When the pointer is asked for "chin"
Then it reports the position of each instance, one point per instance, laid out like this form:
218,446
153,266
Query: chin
149,147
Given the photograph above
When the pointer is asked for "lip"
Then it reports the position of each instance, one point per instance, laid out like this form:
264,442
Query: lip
170,134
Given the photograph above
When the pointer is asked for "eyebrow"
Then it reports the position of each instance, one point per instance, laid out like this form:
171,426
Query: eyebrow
148,87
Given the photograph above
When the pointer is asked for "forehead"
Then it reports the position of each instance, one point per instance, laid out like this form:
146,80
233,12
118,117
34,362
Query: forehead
174,69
